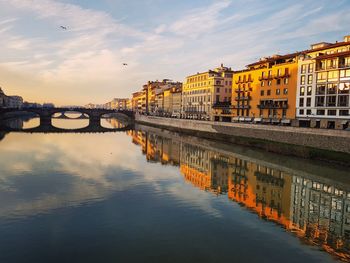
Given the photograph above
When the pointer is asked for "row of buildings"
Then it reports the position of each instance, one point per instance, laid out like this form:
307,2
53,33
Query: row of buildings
310,88
10,101
315,209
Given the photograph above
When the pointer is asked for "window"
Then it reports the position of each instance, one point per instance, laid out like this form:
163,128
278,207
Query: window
308,112
345,74
286,81
278,81
332,112
309,79
331,101
321,89
320,112
333,75
217,89
269,83
301,112
343,100
309,90
303,69
343,112
217,98
321,77
332,88
302,91
278,72
319,101
332,63
261,92
262,83
278,91
268,92
302,80
308,102
311,68
285,91
301,102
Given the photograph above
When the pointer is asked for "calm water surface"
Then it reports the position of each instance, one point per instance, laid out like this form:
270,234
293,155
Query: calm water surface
153,196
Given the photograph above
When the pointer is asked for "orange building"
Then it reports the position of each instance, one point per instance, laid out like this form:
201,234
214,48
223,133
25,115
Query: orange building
266,90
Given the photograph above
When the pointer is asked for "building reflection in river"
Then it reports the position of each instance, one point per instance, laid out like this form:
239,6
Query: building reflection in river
315,209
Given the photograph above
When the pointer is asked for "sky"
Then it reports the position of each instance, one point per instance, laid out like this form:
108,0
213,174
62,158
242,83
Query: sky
158,39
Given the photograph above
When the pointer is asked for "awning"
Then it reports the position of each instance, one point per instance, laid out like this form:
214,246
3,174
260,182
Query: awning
266,120
257,119
241,119
276,120
248,119
285,121
235,118
280,99
344,122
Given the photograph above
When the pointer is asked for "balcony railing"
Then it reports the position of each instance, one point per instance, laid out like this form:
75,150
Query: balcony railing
281,76
243,98
268,77
272,106
223,104
244,107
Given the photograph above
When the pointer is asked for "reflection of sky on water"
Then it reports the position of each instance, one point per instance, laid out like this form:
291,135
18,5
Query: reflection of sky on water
103,183
40,172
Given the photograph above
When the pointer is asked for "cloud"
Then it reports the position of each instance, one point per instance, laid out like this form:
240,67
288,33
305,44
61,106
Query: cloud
84,63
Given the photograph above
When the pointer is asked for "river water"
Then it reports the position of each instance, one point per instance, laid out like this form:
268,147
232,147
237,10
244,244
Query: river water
149,195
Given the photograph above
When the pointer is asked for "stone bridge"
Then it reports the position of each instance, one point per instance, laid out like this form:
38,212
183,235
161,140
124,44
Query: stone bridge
94,115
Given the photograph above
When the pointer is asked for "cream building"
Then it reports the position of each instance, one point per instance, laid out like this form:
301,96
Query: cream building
203,90
324,85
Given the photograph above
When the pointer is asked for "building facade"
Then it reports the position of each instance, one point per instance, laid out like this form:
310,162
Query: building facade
202,91
323,86
266,90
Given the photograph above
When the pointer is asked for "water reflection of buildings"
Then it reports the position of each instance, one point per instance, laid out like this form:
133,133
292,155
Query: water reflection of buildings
316,212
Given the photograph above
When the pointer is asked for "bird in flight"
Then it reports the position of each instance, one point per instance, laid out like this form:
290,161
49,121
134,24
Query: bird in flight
64,27
125,64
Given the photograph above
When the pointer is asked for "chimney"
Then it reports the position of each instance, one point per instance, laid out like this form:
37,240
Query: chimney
347,38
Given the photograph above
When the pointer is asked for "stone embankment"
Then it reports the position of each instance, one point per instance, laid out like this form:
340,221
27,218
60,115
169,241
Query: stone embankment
333,145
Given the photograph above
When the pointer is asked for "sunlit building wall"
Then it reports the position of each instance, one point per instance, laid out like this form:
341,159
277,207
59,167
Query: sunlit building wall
324,86
202,91
266,90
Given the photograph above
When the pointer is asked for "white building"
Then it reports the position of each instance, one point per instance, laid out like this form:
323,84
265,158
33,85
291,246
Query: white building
324,86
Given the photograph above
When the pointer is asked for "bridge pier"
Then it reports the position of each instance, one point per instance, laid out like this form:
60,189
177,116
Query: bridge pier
45,121
95,121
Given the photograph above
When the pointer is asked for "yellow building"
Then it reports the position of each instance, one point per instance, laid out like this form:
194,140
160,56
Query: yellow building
266,90
138,101
202,91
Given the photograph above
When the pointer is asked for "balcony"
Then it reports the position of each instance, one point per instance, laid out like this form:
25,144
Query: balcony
344,65
221,105
285,75
269,77
272,106
243,98
244,107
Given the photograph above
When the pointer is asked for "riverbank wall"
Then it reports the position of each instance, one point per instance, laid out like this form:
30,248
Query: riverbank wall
328,145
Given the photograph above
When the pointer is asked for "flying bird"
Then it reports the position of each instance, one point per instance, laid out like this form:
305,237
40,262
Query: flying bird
63,27
125,64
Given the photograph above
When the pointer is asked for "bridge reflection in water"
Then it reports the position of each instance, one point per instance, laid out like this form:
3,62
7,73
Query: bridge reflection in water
47,114
18,125
306,201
